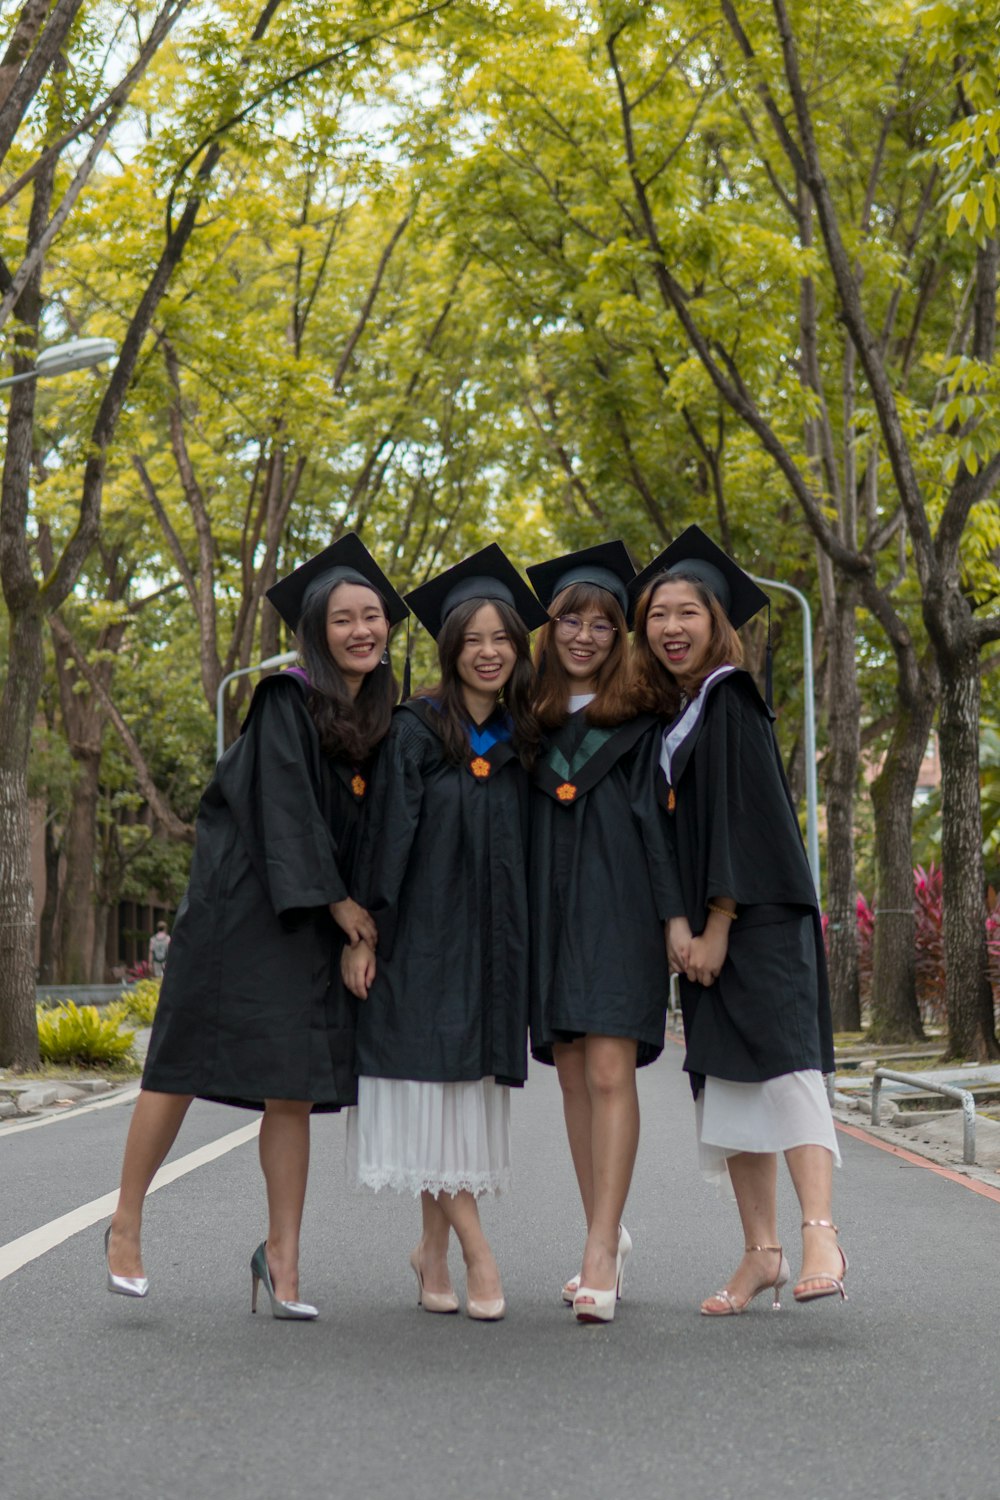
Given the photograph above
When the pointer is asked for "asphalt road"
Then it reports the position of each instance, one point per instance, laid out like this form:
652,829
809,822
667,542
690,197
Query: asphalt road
893,1395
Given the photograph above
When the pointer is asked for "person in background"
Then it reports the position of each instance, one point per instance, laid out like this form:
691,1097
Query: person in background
442,1035
252,1011
159,945
745,932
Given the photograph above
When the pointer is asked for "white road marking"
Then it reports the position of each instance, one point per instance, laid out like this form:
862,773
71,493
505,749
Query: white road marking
125,1097
38,1242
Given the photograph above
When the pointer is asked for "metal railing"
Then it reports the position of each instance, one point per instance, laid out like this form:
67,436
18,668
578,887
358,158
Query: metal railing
914,1081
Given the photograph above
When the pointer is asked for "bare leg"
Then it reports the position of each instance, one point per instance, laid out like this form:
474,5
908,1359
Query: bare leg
614,1103
156,1119
754,1176
811,1168
432,1252
570,1061
284,1159
482,1272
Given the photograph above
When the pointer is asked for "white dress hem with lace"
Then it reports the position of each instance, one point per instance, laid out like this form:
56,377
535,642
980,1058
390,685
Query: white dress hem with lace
416,1137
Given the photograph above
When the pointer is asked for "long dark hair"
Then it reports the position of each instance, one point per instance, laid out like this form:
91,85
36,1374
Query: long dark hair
515,696
612,702
654,688
349,728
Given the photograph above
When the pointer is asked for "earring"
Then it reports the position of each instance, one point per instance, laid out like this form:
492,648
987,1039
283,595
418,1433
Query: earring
385,657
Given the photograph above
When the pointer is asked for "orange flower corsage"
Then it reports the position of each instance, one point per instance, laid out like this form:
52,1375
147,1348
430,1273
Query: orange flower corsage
566,792
359,785
480,768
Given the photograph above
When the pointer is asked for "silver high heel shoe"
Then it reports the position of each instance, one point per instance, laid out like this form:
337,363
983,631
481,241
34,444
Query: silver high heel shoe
124,1286
260,1272
572,1286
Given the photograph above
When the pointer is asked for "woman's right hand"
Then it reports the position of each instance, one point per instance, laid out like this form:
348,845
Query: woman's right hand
678,935
357,969
357,925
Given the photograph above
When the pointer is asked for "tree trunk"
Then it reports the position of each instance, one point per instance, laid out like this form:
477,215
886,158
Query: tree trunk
50,909
18,1031
971,1028
842,762
79,842
22,688
99,953
895,1014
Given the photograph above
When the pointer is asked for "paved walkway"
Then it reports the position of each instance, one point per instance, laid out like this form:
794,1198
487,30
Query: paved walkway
185,1394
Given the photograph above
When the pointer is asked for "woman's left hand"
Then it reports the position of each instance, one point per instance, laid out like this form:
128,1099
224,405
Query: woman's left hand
707,953
357,969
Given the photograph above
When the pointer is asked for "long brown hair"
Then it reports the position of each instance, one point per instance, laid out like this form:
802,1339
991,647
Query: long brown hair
349,728
515,696
658,691
612,703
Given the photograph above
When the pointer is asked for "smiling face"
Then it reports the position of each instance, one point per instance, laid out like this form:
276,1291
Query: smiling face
679,628
357,631
583,640
487,657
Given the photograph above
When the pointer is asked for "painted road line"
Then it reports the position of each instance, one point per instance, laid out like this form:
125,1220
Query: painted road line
29,1247
125,1097
913,1160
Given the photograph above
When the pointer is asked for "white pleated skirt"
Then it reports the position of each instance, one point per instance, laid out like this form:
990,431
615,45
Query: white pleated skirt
791,1110
430,1137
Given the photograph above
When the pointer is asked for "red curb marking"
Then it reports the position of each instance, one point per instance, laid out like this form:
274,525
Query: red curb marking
982,1188
921,1161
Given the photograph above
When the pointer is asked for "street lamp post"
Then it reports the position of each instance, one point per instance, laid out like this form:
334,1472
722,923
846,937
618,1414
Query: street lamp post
283,660
60,359
809,725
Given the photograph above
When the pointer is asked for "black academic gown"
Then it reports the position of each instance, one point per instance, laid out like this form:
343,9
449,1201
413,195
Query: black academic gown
734,833
252,1006
598,895
442,871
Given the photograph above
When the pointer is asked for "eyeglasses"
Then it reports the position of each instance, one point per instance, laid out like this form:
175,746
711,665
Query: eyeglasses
602,632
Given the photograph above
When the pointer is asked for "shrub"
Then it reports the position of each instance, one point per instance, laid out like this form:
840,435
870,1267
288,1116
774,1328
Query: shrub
928,913
80,1034
139,1002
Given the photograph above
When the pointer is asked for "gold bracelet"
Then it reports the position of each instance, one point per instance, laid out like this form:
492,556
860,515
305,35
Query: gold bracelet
722,911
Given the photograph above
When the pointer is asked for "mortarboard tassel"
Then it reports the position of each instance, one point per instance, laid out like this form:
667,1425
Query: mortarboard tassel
406,665
769,664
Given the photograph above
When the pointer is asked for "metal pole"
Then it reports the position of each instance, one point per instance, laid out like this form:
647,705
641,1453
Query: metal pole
284,660
809,725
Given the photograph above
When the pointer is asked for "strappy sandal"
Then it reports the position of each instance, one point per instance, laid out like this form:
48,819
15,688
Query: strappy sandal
728,1304
823,1284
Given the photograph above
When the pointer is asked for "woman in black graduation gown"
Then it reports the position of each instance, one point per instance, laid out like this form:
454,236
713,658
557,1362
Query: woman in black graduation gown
251,1011
599,964
745,933
442,1034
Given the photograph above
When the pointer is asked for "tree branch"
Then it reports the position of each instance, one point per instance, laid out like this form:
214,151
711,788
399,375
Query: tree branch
160,809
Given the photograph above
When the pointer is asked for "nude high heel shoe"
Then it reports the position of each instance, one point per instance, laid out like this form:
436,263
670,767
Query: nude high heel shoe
432,1302
486,1312
124,1286
728,1305
260,1271
826,1284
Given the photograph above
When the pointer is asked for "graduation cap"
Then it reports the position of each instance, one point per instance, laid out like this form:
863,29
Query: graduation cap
607,566
694,554
345,561
488,574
